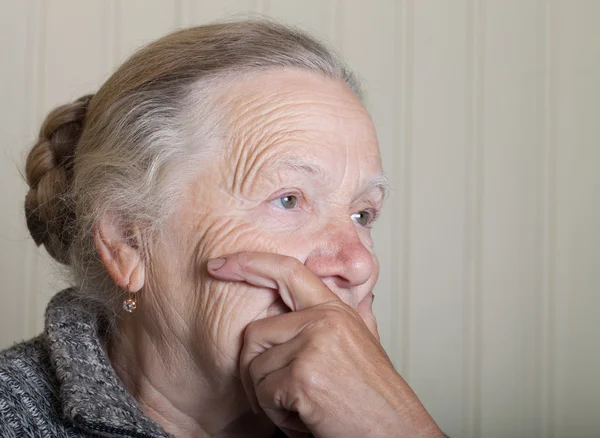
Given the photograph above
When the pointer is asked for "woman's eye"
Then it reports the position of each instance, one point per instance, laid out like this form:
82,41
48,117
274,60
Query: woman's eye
362,218
288,202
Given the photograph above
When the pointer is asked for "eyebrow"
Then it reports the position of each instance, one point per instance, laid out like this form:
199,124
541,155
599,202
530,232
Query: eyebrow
379,182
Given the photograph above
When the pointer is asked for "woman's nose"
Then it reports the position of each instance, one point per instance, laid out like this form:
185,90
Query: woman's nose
341,259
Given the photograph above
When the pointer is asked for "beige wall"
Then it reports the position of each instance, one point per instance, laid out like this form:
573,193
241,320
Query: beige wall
488,114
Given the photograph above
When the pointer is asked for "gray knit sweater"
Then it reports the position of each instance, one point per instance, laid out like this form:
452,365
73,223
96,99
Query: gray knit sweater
61,383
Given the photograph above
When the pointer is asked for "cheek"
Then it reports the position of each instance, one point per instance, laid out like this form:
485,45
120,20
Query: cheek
235,305
222,236
240,302
259,233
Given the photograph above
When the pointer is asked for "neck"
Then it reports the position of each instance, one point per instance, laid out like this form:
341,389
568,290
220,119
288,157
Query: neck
183,396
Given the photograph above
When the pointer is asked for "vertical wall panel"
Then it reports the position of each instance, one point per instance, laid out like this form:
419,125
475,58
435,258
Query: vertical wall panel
511,168
199,12
74,63
76,49
438,209
160,17
487,115
16,105
577,311
315,16
401,179
546,360
474,98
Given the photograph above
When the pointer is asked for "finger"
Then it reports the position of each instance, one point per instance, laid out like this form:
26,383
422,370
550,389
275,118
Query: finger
298,286
272,360
275,399
261,336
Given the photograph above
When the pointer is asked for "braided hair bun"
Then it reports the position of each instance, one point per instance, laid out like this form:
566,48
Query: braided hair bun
49,173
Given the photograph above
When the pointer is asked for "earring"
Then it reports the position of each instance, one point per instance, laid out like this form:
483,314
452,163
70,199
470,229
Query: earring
129,304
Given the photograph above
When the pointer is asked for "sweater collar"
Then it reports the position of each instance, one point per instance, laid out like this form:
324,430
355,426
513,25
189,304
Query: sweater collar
92,395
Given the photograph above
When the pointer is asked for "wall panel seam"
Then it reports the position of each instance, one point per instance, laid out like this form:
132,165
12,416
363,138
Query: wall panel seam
469,224
111,35
179,12
333,24
262,6
548,229
473,233
395,204
38,82
117,45
406,145
30,114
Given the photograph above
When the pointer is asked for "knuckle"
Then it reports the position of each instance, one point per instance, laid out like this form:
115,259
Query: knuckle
290,266
292,401
277,397
334,320
332,326
244,261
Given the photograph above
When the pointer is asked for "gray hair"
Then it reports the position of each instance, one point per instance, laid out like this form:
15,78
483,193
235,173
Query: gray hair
126,149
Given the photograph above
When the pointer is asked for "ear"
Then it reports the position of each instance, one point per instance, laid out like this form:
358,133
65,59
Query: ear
120,250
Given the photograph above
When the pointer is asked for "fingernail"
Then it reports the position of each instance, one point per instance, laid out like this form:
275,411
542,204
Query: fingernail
216,264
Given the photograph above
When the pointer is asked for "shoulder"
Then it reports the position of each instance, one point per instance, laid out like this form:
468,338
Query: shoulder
29,399
25,368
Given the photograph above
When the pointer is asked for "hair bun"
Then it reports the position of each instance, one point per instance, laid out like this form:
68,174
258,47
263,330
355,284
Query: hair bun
49,173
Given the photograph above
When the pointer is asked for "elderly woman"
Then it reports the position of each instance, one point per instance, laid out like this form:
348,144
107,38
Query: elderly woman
213,201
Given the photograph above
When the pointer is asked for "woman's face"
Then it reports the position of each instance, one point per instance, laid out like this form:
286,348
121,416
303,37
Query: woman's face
299,173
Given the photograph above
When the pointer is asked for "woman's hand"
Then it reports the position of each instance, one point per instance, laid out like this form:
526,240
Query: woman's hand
320,368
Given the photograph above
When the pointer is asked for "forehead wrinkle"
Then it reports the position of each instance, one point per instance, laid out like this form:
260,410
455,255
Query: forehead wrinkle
263,153
297,165
241,138
262,116
251,104
253,109
298,95
255,138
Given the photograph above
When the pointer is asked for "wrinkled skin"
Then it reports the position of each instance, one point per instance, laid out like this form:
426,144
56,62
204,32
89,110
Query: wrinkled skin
298,174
